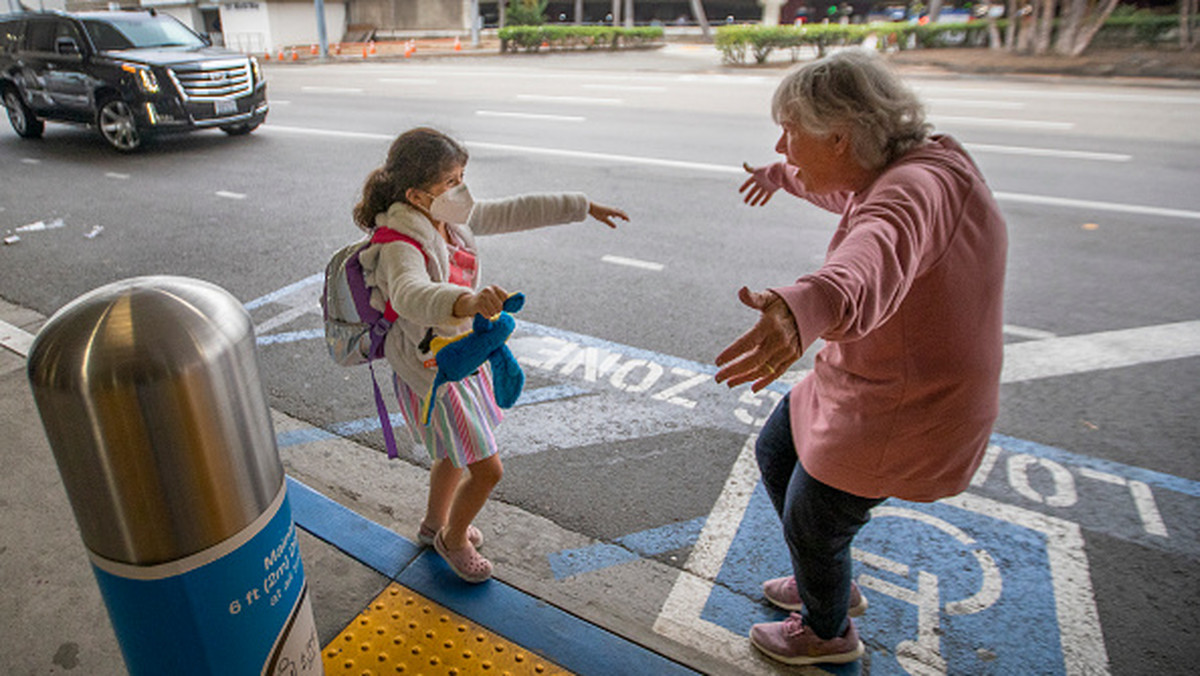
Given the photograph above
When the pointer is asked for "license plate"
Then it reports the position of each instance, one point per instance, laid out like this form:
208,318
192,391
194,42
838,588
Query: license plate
225,107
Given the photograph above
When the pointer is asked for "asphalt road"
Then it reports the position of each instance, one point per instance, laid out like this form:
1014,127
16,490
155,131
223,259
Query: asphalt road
1097,180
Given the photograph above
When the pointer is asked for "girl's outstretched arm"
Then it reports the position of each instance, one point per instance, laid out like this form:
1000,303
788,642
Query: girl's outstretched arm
606,214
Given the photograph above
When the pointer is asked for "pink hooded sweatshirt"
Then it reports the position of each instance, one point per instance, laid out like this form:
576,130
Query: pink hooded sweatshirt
903,396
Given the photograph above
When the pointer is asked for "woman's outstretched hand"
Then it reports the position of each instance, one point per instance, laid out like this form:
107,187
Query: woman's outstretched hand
767,350
759,188
606,214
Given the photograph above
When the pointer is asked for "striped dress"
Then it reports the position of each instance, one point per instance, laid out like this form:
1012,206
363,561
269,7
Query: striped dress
464,412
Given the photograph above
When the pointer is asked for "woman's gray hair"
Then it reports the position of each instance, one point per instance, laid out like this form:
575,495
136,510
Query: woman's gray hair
855,89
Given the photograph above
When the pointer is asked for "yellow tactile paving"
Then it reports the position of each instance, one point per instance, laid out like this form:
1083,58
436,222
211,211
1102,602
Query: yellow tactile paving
402,632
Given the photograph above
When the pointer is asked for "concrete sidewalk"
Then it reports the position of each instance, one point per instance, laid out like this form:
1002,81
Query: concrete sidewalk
357,514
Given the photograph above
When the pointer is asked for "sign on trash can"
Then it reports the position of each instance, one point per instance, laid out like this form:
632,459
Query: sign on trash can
150,395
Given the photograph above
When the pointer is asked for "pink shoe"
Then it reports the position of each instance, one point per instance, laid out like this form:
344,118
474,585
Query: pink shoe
791,642
782,592
465,562
426,534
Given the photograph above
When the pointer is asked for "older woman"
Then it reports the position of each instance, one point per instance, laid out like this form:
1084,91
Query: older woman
901,400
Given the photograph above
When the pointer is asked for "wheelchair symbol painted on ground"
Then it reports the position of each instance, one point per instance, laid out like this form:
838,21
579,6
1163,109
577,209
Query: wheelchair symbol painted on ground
965,585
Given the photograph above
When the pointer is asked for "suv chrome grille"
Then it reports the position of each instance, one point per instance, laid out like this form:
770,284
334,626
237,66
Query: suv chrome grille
212,80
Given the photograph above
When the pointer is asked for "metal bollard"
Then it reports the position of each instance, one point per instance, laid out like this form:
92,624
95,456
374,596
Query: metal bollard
150,395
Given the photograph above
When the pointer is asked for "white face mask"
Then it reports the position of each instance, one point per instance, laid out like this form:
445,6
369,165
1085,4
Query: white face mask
453,206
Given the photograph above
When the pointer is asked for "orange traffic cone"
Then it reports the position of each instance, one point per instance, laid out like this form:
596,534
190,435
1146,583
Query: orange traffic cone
281,55
457,45
295,56
337,49
372,44
267,56
313,51
409,48
364,50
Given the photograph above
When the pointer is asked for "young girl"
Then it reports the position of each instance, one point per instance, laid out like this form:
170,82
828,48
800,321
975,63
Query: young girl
436,290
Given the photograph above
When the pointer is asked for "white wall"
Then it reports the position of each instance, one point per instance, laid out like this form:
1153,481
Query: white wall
246,27
257,27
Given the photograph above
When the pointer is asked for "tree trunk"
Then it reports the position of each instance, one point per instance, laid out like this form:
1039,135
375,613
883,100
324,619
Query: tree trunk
1089,29
1045,11
1187,30
935,10
1073,15
1010,33
701,18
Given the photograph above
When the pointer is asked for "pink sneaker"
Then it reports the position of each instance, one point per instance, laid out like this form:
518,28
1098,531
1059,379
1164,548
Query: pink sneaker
791,642
782,592
465,562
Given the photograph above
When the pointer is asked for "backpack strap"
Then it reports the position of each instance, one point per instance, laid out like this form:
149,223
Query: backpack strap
382,235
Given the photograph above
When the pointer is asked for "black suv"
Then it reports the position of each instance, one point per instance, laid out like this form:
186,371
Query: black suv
132,75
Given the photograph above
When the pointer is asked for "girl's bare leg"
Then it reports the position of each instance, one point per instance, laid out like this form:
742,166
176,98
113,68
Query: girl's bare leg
443,483
469,499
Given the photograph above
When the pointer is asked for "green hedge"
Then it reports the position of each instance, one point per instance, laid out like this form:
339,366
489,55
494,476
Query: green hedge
1138,30
534,38
737,43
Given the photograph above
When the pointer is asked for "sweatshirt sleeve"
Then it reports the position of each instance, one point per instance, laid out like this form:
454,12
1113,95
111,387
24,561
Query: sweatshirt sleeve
402,277
879,250
525,212
783,175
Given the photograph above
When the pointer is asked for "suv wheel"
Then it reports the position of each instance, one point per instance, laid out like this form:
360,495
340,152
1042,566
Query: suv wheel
22,118
118,126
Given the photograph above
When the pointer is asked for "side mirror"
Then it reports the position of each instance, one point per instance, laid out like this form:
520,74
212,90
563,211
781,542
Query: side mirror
66,46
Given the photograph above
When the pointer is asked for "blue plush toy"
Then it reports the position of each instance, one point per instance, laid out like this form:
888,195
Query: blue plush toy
463,355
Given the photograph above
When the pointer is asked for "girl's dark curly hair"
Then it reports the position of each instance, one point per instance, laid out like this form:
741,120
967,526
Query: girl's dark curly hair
416,159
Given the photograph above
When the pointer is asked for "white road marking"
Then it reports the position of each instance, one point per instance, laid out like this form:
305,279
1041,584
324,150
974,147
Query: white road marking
531,116
1143,499
609,157
1072,355
113,174
632,262
999,122
625,88
570,99
416,81
1024,332
976,103
681,617
1048,152
1092,205
230,195
370,136
331,90
15,339
737,170
285,317
1057,93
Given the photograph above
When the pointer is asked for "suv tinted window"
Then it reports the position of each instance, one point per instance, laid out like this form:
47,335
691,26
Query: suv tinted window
106,37
140,32
39,36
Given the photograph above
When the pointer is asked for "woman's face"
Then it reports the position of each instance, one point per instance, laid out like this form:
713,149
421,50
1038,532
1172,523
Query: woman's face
820,161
